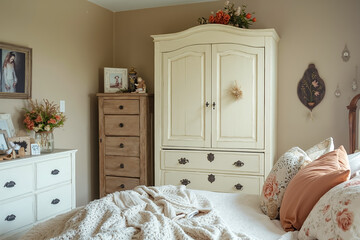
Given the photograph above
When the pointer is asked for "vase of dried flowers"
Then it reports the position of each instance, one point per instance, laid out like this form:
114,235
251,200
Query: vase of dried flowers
42,118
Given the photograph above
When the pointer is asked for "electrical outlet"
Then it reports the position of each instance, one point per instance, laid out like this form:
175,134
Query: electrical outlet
62,106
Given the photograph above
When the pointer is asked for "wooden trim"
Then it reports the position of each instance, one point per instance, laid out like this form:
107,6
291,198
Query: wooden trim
352,122
101,148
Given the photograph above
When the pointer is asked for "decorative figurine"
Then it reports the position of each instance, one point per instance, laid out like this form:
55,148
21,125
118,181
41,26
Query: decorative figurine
132,79
140,86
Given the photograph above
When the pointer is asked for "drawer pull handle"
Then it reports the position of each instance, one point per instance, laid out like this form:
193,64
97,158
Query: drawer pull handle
10,184
207,104
55,201
211,157
10,218
121,145
122,186
183,161
55,172
122,165
211,178
214,104
121,107
185,181
239,187
121,125
239,163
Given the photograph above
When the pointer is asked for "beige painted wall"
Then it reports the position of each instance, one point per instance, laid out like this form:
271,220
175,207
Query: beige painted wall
71,41
310,31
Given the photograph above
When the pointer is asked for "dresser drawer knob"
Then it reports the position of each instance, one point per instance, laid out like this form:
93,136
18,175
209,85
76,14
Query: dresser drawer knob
10,184
210,157
122,186
122,165
55,172
185,181
211,178
239,187
55,201
121,125
10,218
183,161
121,145
121,107
239,163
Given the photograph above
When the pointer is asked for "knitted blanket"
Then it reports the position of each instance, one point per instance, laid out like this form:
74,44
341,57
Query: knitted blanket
165,212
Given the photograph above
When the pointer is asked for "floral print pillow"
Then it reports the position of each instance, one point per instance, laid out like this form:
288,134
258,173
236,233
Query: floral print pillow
320,149
278,179
336,215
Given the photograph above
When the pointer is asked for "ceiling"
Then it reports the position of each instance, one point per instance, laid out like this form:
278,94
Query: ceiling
125,5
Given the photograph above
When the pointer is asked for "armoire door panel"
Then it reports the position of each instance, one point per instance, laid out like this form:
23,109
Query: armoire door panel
238,123
187,88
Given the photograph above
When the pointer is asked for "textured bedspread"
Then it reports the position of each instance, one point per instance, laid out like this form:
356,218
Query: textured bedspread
166,212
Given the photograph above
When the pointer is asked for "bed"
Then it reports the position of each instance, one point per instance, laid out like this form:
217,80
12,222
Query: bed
232,215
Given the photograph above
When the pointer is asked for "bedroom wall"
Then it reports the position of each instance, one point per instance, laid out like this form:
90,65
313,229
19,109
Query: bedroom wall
310,31
71,42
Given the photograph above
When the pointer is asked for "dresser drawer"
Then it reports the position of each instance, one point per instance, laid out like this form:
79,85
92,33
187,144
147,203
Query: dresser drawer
16,214
122,166
16,181
127,125
52,172
53,201
215,182
121,106
245,163
123,146
114,184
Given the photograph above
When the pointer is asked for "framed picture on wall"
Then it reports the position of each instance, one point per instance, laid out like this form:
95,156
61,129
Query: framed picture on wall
115,80
15,77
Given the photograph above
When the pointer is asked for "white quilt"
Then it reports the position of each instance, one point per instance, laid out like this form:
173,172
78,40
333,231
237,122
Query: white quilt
166,212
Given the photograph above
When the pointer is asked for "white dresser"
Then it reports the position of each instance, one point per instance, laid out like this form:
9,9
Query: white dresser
35,188
205,138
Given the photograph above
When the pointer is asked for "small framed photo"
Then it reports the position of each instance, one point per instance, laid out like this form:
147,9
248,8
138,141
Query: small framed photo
23,142
35,149
115,80
3,142
7,124
16,66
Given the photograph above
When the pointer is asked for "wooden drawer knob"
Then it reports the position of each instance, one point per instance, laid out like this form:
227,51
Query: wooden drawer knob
122,165
122,186
122,145
121,125
121,107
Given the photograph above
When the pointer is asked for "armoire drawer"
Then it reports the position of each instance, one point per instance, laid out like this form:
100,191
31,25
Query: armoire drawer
54,201
16,214
245,163
125,125
52,172
122,166
16,181
214,182
121,106
123,146
114,184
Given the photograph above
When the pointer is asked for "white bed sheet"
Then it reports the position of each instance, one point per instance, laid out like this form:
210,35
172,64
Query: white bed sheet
242,213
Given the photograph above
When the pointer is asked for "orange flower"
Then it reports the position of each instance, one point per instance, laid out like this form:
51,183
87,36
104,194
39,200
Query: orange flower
53,121
38,119
270,187
30,125
254,20
226,19
344,219
248,16
57,117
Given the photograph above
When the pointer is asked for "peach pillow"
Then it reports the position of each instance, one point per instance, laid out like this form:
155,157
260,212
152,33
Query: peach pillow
310,184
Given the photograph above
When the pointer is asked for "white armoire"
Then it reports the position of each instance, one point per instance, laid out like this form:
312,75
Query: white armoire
205,137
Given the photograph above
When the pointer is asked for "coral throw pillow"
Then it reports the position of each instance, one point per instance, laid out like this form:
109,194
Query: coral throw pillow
278,179
310,184
336,215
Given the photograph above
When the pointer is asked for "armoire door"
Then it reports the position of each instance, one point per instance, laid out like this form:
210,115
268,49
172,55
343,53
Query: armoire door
237,123
186,74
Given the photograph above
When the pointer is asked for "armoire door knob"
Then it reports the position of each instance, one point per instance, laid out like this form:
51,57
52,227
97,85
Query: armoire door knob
214,105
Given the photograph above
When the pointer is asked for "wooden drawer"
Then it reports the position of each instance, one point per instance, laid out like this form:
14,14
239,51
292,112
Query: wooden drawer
122,146
122,166
127,125
16,214
16,181
244,163
114,184
52,172
121,106
54,201
220,182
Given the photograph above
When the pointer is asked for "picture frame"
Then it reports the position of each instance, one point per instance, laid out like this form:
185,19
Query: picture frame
7,124
16,71
115,80
4,144
35,149
23,142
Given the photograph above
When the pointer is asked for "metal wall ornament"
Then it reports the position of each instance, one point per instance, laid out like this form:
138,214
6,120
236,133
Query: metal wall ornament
311,88
345,55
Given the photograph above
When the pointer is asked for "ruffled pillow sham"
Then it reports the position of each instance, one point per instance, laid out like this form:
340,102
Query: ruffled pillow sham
320,149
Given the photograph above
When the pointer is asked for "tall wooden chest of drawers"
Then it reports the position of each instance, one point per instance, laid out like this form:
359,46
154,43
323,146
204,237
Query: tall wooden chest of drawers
125,141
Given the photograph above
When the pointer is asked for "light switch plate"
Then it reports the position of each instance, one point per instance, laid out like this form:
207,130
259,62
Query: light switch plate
62,106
